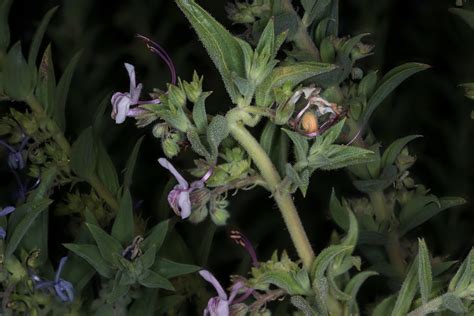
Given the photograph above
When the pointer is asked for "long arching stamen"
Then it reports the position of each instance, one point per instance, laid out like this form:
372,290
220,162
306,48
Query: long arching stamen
241,240
157,49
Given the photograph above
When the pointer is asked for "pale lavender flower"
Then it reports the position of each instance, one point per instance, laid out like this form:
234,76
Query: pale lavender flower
123,101
7,210
179,197
220,305
63,289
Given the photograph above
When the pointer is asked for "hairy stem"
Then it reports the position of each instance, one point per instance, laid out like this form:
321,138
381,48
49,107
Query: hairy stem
270,175
59,138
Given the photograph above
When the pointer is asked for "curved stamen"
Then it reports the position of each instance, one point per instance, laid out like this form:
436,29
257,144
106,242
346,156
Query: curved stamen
157,49
207,175
243,241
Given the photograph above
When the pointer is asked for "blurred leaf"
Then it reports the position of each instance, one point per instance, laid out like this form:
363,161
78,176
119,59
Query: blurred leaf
84,154
31,210
463,277
349,45
300,303
110,249
425,277
216,133
428,212
38,38
324,259
417,204
387,177
352,233
206,243
388,83
267,136
199,112
170,269
300,145
221,46
59,112
156,236
91,254
4,26
153,280
145,305
148,258
339,214
21,77
337,156
123,227
294,73
454,304
46,85
385,307
314,10
105,168
466,15
130,167
367,84
352,288
391,153
407,292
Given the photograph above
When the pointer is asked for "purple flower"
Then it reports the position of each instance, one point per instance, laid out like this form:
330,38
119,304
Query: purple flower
122,101
63,289
7,210
179,197
220,304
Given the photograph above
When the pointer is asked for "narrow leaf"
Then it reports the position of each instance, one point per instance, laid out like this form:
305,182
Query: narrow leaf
407,292
130,167
123,227
425,277
170,269
91,254
38,37
157,236
199,112
391,153
109,248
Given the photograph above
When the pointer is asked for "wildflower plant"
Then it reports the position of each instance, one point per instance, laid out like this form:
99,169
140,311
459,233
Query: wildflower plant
299,103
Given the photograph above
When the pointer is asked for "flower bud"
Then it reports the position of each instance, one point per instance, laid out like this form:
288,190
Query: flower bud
355,110
170,145
328,53
160,130
219,214
357,73
176,96
193,89
198,214
404,160
361,51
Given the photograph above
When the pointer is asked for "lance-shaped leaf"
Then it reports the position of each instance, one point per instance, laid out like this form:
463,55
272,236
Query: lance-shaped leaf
453,303
91,254
324,259
46,86
425,277
385,306
16,233
38,38
156,236
59,112
84,154
388,83
130,167
428,212
21,77
294,73
391,153
339,213
407,292
105,168
152,279
170,269
314,10
463,277
109,248
4,26
221,46
199,112
352,288
300,303
123,227
216,133
300,145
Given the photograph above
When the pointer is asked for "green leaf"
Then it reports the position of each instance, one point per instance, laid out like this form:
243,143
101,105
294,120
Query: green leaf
333,133
300,303
387,177
267,136
425,277
109,248
38,38
391,153
206,243
59,113
388,83
221,46
453,303
407,292
353,232
352,288
145,305
415,205
130,167
148,258
152,279
351,43
105,168
199,112
84,154
367,85
337,156
284,280
123,227
463,277
16,233
301,145
339,214
157,236
46,85
170,269
385,307
216,133
91,254
197,145
466,15
315,10
4,26
266,41
294,73
324,259
21,77
428,212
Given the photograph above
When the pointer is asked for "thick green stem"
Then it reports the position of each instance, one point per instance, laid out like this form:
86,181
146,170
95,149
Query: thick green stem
59,138
273,179
382,213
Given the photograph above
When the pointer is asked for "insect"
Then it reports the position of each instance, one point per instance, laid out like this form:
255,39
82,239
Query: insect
133,250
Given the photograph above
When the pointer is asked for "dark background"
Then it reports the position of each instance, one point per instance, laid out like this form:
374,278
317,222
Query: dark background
430,103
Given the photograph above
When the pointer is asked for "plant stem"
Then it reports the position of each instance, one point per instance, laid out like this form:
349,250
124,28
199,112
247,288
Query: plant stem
382,214
271,176
59,138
